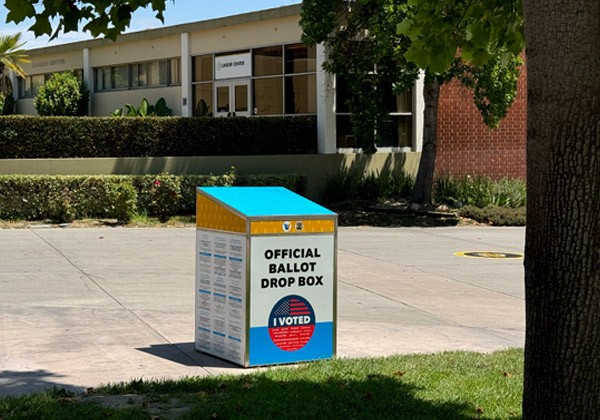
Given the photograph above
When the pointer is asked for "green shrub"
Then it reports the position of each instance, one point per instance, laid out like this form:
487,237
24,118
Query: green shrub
165,195
61,206
497,216
8,108
122,201
480,191
190,182
293,182
345,186
65,198
62,94
62,137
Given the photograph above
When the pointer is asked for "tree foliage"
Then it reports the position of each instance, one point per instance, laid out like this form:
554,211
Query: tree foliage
481,30
99,17
364,51
379,47
11,57
63,95
12,53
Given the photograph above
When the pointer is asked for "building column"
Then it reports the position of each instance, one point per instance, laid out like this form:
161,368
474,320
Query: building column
187,107
325,106
88,77
418,110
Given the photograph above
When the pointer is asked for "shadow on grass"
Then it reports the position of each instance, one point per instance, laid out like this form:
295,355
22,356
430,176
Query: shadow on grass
265,396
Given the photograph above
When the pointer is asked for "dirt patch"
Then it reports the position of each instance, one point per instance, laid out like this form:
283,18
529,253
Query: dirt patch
156,407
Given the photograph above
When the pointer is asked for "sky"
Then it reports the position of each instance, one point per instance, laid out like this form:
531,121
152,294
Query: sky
180,11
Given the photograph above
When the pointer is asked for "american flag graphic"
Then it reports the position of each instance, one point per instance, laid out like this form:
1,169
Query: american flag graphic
292,307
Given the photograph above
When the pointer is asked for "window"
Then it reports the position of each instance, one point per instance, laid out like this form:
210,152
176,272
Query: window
157,73
138,75
283,77
300,79
202,77
300,94
268,98
300,59
267,61
119,77
174,72
25,87
394,131
203,68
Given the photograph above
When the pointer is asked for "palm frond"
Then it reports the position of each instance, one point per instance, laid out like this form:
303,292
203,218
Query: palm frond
12,54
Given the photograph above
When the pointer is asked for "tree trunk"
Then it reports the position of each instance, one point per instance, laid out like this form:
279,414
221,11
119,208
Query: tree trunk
562,252
424,182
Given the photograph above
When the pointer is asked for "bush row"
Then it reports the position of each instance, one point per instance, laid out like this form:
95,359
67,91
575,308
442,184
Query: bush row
61,137
497,216
480,191
346,186
65,198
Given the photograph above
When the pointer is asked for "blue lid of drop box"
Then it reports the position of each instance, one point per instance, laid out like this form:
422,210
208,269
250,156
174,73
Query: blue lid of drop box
265,201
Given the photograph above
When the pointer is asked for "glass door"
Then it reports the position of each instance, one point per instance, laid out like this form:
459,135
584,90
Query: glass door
232,98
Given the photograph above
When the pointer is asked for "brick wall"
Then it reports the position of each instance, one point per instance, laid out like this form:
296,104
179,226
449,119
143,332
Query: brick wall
467,147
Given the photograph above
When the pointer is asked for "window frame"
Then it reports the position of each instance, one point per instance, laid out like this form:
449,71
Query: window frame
133,72
282,75
394,114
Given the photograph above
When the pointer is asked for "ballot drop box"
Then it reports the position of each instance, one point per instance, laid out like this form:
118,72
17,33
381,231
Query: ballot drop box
266,277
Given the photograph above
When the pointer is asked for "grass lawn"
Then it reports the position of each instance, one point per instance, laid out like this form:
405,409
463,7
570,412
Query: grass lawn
451,385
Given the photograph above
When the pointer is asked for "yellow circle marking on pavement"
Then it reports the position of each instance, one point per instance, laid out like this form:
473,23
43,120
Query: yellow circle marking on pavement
489,254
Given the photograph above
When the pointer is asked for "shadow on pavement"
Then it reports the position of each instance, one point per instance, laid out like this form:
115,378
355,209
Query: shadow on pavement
185,354
25,382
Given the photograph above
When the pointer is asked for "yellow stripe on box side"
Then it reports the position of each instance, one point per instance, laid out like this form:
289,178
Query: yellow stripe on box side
266,227
210,215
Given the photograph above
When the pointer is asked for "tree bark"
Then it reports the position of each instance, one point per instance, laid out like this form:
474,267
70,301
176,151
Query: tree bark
562,252
424,182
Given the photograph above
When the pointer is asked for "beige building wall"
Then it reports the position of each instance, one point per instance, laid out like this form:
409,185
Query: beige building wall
149,49
106,102
25,107
46,60
249,35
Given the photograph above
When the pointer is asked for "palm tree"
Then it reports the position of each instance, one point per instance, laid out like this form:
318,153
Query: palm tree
11,55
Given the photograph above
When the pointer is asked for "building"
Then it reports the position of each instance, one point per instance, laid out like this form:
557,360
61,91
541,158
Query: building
255,65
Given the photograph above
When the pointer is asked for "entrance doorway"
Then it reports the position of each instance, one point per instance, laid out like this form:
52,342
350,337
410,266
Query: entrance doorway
232,98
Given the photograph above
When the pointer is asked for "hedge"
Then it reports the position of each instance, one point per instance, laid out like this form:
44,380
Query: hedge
63,198
28,137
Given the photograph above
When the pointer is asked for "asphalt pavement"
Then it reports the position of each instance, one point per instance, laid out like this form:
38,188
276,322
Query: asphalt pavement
83,307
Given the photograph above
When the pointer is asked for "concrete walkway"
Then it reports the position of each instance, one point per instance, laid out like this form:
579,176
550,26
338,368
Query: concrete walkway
80,307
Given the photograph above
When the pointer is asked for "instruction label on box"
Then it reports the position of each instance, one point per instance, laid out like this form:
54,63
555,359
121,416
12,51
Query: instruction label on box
221,294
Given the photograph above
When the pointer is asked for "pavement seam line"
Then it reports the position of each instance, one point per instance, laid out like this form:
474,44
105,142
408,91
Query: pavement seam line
451,321
90,277
432,274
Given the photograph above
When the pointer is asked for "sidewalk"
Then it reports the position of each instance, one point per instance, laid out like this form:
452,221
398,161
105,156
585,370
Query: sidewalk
80,307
